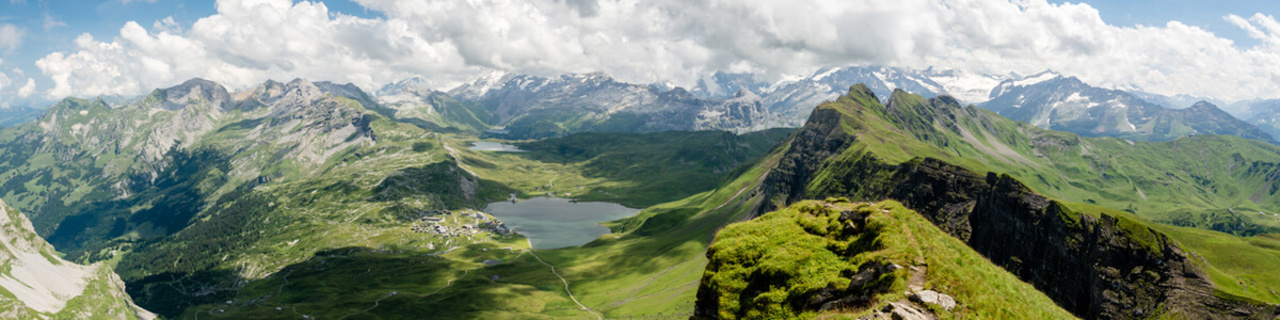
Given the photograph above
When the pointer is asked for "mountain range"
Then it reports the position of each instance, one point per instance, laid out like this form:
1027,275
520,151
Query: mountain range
526,106
534,107
1052,101
282,200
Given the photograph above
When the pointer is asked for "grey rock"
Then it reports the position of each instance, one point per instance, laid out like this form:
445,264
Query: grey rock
906,311
935,298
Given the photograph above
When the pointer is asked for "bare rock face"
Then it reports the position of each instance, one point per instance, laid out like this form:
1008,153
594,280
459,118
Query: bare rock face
42,283
900,310
195,90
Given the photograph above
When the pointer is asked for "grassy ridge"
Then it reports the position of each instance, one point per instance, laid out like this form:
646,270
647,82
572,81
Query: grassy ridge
770,267
1211,174
1212,182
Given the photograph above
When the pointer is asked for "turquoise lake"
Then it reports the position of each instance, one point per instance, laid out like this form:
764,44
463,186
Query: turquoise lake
558,222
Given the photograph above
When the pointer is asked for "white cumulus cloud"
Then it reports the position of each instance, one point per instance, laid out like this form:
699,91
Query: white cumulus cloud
27,89
10,36
446,42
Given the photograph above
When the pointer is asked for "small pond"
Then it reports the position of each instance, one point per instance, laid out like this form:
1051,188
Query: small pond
557,222
494,146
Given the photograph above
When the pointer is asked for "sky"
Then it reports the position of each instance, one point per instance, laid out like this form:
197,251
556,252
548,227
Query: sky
1228,50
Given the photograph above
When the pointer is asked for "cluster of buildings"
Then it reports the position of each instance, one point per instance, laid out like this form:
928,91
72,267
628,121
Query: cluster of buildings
449,224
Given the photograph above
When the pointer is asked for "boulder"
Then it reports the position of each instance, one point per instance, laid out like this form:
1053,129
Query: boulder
935,298
906,311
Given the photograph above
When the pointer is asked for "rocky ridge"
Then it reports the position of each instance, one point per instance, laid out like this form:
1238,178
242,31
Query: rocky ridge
1095,266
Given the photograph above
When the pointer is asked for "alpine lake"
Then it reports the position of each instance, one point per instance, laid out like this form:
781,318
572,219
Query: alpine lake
558,222
551,222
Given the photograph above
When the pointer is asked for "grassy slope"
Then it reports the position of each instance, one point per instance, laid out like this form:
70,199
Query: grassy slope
337,209
621,274
248,237
803,249
1243,266
1155,181
1212,173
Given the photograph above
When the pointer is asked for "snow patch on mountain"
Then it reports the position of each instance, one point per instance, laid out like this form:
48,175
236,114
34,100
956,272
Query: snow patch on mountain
966,86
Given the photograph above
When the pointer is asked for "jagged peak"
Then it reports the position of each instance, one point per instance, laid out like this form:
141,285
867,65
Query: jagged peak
407,85
862,90
271,84
899,97
299,82
201,82
75,104
947,100
1022,82
1203,105
678,93
180,96
195,83
744,93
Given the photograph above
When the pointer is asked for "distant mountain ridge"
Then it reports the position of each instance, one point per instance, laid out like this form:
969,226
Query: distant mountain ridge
1055,102
533,106
1262,113
530,106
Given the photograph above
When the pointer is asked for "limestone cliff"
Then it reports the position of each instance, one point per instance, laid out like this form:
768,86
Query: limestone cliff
36,284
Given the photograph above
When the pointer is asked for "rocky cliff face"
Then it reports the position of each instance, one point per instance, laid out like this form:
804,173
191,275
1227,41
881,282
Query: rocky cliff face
1095,266
1102,267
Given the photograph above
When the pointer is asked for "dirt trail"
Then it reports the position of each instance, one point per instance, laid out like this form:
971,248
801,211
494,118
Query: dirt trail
566,282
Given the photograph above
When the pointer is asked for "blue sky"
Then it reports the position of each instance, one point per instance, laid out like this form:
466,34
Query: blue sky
446,42
1205,14
53,25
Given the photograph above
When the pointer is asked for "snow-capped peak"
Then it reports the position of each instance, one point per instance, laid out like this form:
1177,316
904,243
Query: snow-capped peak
1031,80
481,85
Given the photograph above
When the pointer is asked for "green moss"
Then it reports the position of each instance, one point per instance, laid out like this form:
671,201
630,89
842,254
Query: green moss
1141,233
772,266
